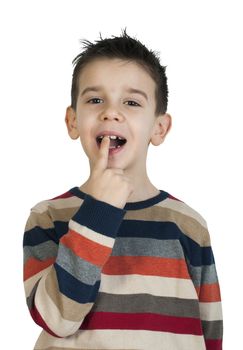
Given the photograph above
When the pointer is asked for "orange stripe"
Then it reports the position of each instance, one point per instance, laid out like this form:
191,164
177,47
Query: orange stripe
209,292
86,249
153,266
33,266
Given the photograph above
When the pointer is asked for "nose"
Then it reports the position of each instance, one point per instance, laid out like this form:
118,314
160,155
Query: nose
111,113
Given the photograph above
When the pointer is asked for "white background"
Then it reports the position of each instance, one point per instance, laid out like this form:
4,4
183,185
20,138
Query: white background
200,161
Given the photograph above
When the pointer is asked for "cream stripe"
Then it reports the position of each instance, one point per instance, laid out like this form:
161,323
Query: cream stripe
92,235
183,208
30,282
51,315
154,285
110,339
61,203
211,311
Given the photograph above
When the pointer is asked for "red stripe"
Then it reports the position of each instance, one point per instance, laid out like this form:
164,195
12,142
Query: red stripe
209,292
39,320
176,199
139,321
146,265
34,266
214,344
85,248
64,195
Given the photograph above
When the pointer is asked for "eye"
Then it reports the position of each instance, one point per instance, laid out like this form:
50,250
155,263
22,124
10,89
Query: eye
133,103
94,100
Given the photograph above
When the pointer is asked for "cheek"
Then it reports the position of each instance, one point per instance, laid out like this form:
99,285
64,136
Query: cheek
84,126
143,134
85,138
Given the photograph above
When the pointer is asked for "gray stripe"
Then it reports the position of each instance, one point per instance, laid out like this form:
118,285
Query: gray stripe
147,247
31,297
205,273
77,267
41,251
146,303
213,329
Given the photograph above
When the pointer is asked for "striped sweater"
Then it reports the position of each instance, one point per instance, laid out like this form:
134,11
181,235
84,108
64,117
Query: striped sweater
100,277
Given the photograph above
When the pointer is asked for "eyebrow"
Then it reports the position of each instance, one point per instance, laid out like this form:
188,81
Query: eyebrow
91,88
136,91
99,88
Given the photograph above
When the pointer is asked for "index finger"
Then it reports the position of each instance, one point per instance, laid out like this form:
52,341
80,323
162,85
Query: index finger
103,156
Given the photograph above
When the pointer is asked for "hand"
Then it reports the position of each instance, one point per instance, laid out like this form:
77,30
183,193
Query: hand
109,185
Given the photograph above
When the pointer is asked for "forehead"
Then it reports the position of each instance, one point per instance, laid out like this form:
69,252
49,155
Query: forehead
117,74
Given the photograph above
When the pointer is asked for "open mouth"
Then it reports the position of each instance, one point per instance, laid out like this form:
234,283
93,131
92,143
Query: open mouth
115,141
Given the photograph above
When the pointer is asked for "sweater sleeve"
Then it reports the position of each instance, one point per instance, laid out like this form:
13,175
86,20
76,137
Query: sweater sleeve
62,276
201,264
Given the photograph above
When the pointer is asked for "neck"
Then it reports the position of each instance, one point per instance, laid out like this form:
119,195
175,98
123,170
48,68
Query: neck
143,188
143,191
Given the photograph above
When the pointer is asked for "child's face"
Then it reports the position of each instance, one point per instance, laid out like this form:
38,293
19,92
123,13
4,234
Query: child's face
106,102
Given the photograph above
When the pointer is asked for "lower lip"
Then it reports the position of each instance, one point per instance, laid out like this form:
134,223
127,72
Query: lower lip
113,151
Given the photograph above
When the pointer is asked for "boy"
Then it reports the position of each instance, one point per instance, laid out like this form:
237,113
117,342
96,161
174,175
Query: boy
117,263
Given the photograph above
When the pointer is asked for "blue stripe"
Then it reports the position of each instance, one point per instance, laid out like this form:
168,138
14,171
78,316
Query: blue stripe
197,255
99,216
39,235
149,229
74,289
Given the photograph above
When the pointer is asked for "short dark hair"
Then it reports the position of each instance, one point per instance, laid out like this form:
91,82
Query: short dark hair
127,48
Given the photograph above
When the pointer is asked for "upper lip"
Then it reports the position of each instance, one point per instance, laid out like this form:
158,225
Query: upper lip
110,132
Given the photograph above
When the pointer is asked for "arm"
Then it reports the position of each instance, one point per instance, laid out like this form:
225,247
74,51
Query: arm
62,277
203,272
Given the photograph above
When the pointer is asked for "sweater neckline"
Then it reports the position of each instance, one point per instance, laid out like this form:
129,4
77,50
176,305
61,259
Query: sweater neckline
129,205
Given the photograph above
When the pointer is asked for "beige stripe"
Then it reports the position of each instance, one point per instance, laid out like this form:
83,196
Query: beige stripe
69,309
183,208
92,235
50,313
60,203
211,311
30,282
43,220
63,214
188,225
108,339
158,286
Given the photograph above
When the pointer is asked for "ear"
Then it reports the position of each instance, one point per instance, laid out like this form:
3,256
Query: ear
162,126
71,123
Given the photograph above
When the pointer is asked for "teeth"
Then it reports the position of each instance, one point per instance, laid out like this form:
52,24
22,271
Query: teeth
112,137
113,147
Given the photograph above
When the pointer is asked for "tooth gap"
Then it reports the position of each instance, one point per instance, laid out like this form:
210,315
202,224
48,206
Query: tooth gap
120,141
